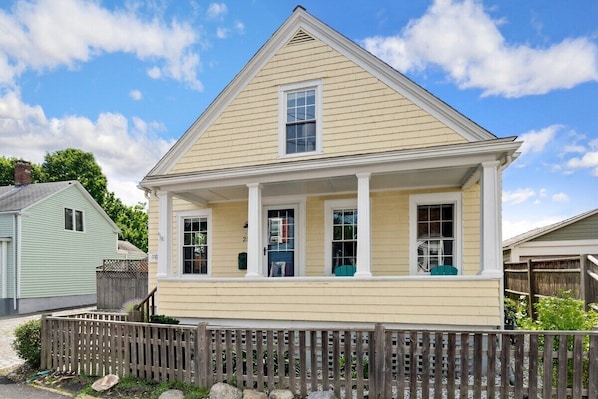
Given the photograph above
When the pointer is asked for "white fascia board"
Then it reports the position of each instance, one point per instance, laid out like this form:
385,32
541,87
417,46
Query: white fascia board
396,80
300,19
394,161
227,95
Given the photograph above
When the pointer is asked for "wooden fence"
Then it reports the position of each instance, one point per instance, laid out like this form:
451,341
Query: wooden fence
376,363
119,280
537,278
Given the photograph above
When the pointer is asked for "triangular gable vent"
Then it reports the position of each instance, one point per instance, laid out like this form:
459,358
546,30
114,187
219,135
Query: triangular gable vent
300,37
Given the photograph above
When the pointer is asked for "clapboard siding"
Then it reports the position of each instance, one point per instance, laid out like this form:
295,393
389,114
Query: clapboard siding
58,262
418,301
584,229
360,114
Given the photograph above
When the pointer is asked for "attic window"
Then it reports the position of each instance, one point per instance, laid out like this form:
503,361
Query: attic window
299,119
300,37
73,219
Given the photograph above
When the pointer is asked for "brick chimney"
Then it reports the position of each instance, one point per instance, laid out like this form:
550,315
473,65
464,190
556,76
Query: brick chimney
22,173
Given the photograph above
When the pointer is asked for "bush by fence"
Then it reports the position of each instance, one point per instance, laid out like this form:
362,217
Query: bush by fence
377,363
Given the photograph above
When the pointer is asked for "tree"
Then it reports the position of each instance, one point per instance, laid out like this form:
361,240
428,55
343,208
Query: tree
73,164
132,221
7,172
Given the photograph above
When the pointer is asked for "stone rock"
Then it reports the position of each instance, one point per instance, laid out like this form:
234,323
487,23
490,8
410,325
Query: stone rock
220,390
105,383
321,395
281,394
253,394
172,394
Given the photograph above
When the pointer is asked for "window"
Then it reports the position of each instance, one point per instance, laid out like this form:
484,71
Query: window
73,219
300,123
195,245
435,231
341,233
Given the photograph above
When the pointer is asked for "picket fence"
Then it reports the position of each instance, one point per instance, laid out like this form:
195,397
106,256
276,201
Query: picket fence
373,363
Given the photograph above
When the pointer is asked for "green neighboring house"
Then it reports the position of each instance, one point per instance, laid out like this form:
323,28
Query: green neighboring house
52,238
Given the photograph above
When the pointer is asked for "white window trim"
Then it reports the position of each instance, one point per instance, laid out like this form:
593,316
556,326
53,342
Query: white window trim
282,106
329,207
455,198
74,229
207,213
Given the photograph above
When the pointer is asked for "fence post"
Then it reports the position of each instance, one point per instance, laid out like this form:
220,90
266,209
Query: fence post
203,364
530,290
584,289
593,372
44,349
377,380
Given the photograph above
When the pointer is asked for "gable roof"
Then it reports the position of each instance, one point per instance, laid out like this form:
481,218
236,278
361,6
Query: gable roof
533,234
16,199
300,27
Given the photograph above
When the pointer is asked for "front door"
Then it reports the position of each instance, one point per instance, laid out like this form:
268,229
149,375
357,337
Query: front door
280,243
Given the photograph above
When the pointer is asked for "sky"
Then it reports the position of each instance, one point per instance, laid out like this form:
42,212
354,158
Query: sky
125,79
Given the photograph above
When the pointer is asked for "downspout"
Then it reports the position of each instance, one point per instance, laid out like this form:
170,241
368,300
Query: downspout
15,260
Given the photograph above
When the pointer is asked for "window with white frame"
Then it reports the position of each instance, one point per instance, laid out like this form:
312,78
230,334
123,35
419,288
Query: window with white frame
73,219
195,243
300,124
341,233
435,227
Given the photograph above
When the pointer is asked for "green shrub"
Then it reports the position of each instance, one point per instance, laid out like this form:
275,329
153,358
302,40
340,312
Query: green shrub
161,319
27,342
565,313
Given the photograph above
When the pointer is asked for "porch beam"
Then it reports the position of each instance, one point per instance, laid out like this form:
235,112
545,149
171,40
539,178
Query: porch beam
164,233
490,217
364,267
254,228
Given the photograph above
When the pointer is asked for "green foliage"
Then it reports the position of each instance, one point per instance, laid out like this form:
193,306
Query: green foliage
27,342
73,164
365,365
564,313
132,221
7,172
162,319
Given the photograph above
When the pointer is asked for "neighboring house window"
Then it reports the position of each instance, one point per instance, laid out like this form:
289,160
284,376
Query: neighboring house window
341,233
435,231
300,123
196,235
73,219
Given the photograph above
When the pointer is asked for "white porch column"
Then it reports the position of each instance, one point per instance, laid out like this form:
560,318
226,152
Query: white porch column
490,223
364,238
254,230
164,233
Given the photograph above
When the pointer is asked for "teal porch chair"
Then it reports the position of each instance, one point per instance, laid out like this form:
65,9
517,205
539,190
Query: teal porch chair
344,270
444,270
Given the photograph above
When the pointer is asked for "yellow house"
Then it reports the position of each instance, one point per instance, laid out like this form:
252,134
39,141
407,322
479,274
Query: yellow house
319,155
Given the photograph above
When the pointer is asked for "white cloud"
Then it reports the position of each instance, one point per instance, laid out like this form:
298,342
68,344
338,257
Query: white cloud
240,27
135,94
217,10
222,33
125,150
39,36
487,61
536,140
588,160
518,196
560,197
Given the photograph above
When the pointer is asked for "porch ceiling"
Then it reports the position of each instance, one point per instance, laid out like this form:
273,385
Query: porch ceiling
431,167
432,178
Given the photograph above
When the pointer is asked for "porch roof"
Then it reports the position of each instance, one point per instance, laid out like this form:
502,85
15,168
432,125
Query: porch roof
440,166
